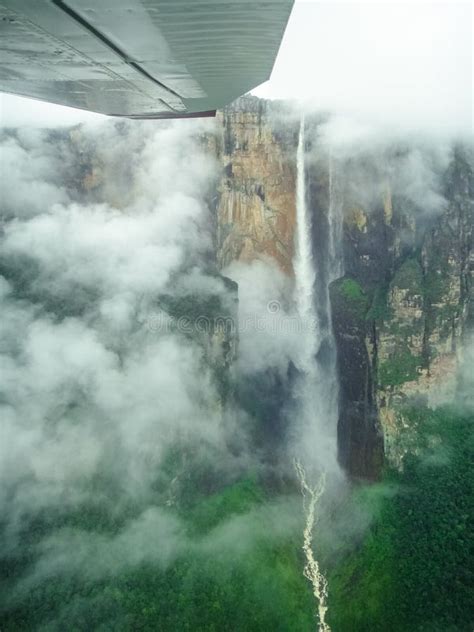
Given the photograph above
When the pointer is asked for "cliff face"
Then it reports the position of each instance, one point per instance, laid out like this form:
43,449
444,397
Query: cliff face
102,171
413,271
360,440
401,310
208,320
256,197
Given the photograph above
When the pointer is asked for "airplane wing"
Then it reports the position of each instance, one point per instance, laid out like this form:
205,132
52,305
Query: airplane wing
139,58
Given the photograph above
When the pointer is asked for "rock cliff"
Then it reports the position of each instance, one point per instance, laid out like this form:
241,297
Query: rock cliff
256,196
412,269
402,309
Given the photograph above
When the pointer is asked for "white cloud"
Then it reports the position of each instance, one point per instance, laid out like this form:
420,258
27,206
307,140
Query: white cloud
87,389
405,64
18,111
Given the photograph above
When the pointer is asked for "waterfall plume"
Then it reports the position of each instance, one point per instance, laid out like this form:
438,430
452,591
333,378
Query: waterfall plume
317,385
305,275
316,388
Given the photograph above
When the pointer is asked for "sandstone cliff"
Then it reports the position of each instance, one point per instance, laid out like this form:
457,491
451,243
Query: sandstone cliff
413,270
256,197
401,311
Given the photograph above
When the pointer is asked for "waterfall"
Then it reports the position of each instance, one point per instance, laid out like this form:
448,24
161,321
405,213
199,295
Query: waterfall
317,391
316,361
312,392
335,270
336,267
305,275
317,388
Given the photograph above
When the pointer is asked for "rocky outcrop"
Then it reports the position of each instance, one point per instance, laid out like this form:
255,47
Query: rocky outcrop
210,321
402,309
256,201
414,270
406,265
360,441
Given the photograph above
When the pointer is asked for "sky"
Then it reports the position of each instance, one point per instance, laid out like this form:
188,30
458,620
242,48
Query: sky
409,63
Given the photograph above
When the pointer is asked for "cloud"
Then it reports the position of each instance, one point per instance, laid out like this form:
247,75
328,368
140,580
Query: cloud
369,161
89,392
269,332
273,341
96,402
154,536
18,111
404,66
28,175
465,381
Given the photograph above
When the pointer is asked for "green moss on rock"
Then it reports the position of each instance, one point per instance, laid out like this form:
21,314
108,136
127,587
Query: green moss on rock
437,278
380,309
351,297
409,276
400,367
192,306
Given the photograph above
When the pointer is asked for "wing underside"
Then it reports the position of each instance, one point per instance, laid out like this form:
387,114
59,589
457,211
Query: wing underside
139,58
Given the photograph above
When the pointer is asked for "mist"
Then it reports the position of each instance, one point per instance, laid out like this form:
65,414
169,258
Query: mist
109,395
93,398
146,394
